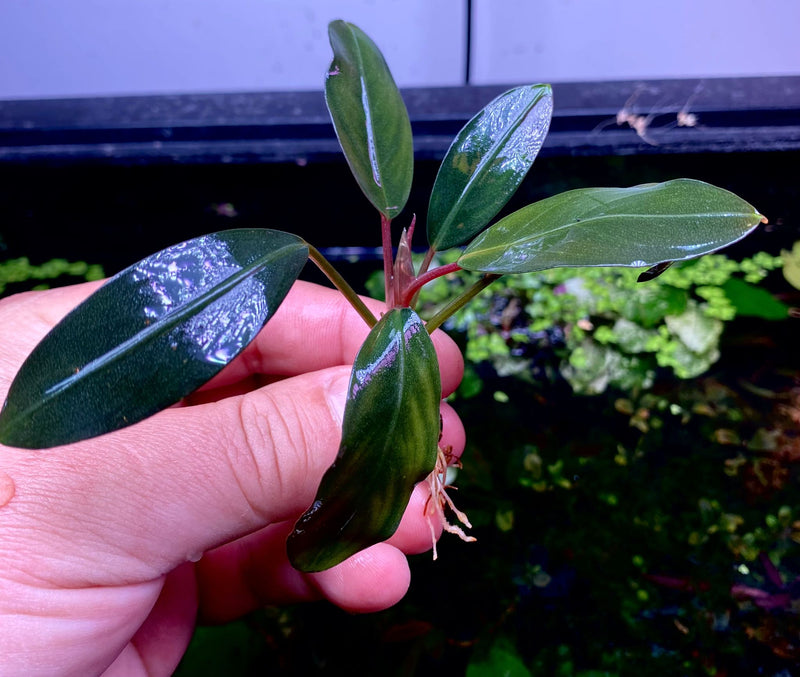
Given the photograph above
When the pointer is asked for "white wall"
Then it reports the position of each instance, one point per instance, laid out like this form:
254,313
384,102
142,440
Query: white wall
95,47
98,47
563,40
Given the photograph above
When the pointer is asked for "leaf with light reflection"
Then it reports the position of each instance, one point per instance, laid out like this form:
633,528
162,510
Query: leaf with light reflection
389,443
486,163
150,336
630,227
370,118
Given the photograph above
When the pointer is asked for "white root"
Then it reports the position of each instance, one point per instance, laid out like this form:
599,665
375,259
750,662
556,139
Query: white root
626,116
641,123
439,499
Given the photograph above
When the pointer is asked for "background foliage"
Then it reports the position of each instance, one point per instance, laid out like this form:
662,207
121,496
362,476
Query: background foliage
20,274
652,527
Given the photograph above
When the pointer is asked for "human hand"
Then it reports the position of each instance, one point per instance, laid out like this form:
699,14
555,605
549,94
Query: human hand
101,541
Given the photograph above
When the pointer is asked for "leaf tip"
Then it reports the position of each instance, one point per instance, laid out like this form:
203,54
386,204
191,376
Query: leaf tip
653,272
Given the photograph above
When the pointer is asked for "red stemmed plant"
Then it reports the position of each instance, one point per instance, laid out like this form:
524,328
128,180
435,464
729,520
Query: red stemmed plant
158,330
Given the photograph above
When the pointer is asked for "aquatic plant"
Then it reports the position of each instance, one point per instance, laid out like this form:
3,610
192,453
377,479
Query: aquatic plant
176,318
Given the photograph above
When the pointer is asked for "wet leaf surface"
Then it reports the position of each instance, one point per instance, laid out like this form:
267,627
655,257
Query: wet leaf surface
370,118
151,335
486,163
389,442
631,227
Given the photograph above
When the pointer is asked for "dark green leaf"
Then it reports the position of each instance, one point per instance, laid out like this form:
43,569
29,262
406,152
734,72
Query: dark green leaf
370,118
754,301
631,227
486,163
389,443
150,336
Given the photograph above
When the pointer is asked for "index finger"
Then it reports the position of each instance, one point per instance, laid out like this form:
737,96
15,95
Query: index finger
316,328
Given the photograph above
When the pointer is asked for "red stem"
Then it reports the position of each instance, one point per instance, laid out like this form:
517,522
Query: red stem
386,240
427,260
419,282
411,229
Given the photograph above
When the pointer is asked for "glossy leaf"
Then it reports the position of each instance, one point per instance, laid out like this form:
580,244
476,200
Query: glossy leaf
370,118
630,227
389,442
486,163
150,336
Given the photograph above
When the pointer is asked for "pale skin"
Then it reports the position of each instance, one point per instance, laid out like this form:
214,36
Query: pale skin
98,539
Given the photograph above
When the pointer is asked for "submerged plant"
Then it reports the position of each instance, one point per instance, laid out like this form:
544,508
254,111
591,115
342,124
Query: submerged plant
19,271
173,320
599,328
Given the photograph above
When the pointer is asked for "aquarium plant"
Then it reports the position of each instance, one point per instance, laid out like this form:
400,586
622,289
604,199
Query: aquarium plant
158,330
20,274
598,328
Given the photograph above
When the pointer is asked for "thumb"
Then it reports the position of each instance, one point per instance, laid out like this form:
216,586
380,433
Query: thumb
203,475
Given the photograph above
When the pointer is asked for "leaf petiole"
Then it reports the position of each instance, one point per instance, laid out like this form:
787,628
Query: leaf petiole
460,301
426,262
341,284
388,268
420,281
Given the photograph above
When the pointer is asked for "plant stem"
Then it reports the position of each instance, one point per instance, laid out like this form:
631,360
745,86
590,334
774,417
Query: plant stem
421,280
341,284
426,262
460,301
388,267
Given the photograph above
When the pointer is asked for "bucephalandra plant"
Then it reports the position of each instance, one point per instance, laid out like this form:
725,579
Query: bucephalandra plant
158,330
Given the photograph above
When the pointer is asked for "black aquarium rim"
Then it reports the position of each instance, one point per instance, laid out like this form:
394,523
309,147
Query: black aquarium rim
698,115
